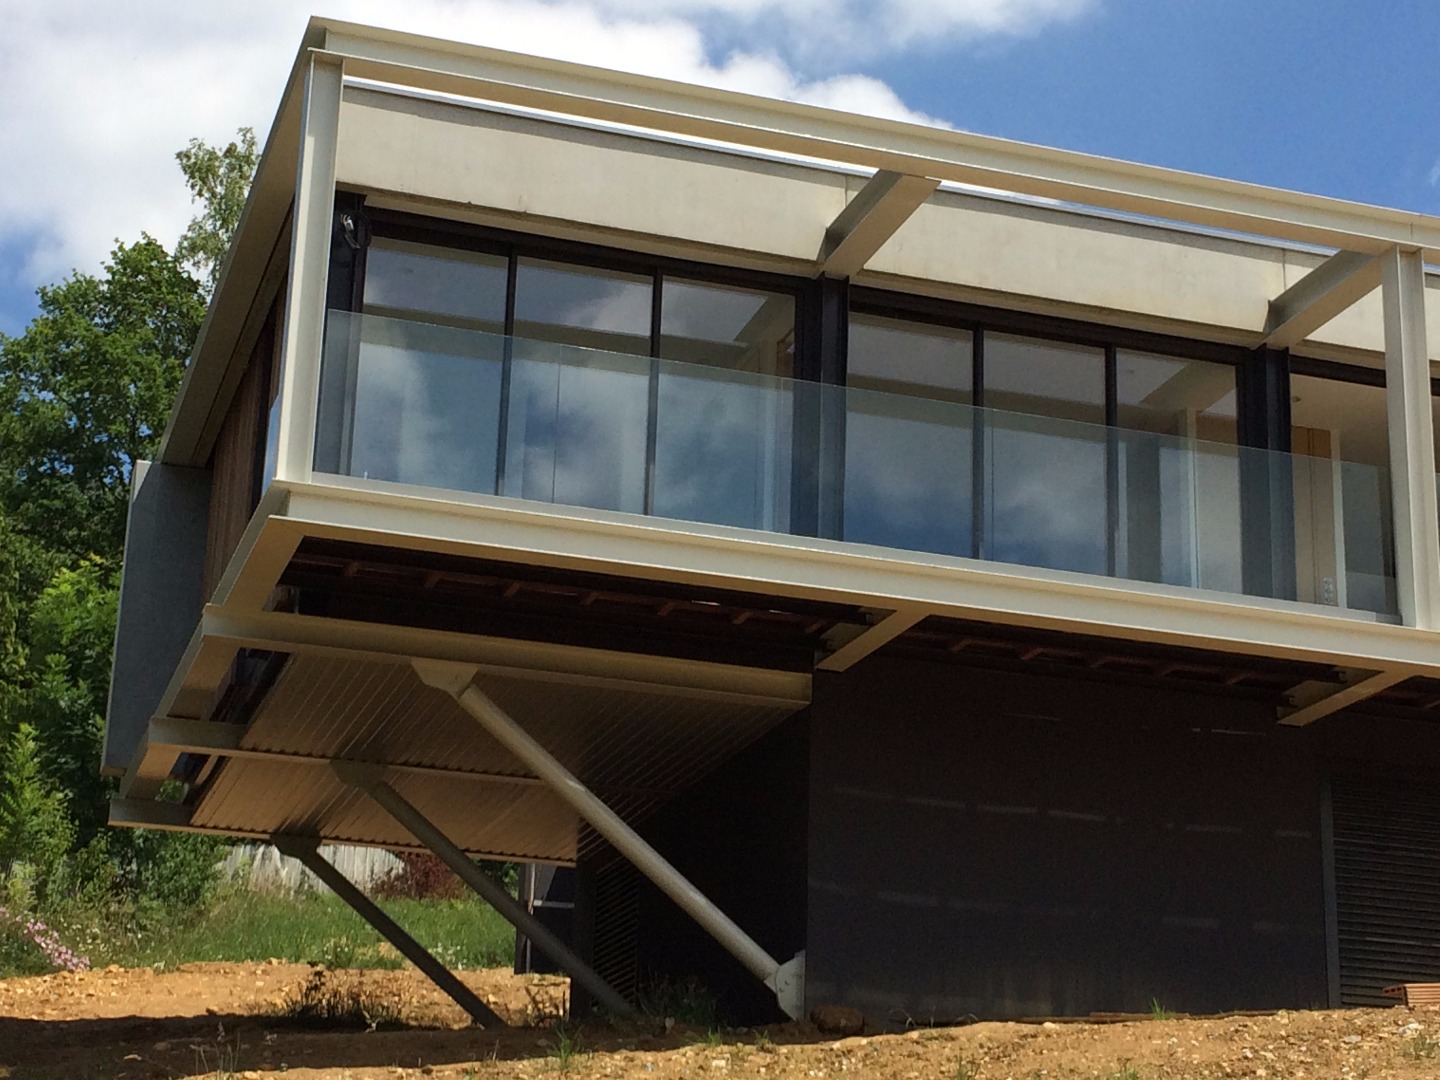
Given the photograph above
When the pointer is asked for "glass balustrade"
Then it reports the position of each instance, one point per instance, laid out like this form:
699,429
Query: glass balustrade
456,408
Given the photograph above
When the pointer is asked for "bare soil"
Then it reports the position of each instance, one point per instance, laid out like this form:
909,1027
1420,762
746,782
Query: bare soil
229,1020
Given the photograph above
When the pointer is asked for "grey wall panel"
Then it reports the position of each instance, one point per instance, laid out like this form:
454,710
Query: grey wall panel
1003,845
160,597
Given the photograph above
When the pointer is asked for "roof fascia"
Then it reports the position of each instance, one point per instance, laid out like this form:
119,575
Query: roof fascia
190,432
915,149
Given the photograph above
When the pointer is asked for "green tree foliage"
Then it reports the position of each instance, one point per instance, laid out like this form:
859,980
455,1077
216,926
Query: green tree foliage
85,392
36,832
220,180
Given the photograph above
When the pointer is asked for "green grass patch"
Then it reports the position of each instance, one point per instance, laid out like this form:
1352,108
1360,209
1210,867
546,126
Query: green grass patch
317,928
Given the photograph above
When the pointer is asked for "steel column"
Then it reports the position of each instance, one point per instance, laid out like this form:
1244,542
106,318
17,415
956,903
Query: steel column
787,980
308,854
368,779
1412,439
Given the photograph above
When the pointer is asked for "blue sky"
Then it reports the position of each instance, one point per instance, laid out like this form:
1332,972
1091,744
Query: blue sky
1334,97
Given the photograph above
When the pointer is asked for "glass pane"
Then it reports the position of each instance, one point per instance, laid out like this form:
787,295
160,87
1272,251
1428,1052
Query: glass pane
908,475
576,431
577,305
1195,400
1044,378
1045,499
910,358
1045,492
447,286
424,401
722,447
719,326
909,437
1342,516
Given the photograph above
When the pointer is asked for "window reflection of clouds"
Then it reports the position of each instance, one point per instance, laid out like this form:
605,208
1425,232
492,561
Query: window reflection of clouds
425,418
581,306
412,277
723,448
576,431
908,451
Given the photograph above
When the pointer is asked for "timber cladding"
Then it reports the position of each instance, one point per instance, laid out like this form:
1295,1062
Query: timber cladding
998,844
237,461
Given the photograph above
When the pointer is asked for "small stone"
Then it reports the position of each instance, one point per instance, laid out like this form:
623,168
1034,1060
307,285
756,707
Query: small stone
838,1019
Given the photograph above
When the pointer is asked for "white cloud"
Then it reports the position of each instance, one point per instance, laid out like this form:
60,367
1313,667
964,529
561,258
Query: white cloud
100,96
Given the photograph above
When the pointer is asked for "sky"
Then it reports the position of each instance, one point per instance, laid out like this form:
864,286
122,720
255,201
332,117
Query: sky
1335,97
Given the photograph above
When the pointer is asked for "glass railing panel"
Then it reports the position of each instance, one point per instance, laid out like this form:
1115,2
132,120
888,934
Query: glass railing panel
908,472
723,446
1045,500
410,402
575,430
456,408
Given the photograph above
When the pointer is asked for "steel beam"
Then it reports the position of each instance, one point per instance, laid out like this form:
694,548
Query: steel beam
1323,293
869,219
369,780
307,851
304,327
1412,439
786,980
1312,700
887,628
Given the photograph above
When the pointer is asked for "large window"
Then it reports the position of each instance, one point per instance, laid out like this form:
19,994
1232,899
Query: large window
573,379
535,369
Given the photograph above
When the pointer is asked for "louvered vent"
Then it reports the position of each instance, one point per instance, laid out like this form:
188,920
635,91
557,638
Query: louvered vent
1387,886
617,915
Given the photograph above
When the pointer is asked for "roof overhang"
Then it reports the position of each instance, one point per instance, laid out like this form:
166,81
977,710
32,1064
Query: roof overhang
725,118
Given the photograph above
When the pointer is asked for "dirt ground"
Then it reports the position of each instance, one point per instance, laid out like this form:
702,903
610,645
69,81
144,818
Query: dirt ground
226,1020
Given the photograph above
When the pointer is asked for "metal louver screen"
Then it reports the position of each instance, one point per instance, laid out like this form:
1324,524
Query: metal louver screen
1387,886
617,914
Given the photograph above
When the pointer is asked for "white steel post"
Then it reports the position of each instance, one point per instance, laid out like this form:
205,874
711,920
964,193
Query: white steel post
1412,439
304,326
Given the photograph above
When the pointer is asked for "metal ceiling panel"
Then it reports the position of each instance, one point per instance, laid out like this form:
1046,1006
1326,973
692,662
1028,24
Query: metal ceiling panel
634,746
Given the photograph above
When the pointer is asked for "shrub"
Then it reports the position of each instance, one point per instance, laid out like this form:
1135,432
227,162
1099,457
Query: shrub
420,876
29,947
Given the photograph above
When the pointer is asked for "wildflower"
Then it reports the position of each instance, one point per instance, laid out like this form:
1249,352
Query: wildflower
59,955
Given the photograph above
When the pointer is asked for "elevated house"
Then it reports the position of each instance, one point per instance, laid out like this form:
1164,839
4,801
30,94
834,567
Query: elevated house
892,567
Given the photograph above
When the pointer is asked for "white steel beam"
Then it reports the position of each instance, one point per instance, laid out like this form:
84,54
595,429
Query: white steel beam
1312,700
369,779
869,219
170,736
307,852
1337,283
304,328
786,980
1412,439
860,645
790,128
574,664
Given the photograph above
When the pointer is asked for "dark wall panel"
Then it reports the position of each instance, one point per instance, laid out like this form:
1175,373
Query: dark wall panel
1002,845
740,838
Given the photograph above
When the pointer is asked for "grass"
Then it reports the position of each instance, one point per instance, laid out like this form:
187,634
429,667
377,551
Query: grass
564,1046
967,1069
1158,1011
1125,1072
317,928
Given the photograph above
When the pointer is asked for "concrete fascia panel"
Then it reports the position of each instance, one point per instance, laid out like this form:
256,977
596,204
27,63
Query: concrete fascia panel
810,568
828,134
160,598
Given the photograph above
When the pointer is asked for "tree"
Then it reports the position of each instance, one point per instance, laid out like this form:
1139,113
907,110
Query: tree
220,179
86,391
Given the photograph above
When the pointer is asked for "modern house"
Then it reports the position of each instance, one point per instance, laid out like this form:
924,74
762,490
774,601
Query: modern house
892,567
